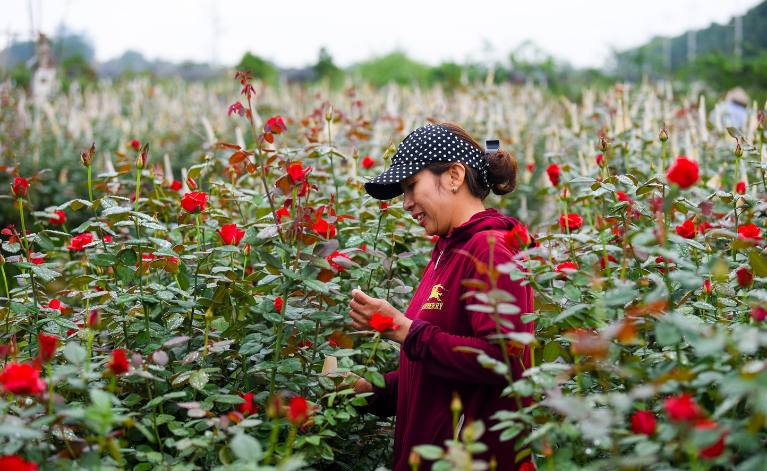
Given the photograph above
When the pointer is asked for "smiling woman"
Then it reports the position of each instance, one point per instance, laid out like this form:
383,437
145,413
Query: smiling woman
445,175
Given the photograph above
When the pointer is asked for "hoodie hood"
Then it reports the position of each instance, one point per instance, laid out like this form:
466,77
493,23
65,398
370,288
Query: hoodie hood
487,220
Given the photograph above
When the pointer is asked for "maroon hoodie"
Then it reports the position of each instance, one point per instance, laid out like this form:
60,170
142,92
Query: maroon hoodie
430,370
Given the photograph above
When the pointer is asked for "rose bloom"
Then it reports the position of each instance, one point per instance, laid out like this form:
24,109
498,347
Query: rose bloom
59,219
278,304
527,467
684,172
248,407
16,463
750,231
758,313
230,235
277,124
566,268
194,202
554,172
367,162
79,242
682,408
176,185
324,229
280,213
621,196
19,187
715,449
380,322
21,378
573,221
55,304
643,422
335,265
136,144
518,238
686,230
118,362
47,346
297,171
744,276
740,188
298,410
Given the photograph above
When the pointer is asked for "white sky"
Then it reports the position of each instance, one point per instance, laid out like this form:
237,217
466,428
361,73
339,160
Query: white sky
290,32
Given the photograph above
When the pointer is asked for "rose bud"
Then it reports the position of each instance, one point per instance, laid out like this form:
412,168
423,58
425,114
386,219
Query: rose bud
738,150
663,136
329,113
601,160
758,313
191,184
19,187
143,156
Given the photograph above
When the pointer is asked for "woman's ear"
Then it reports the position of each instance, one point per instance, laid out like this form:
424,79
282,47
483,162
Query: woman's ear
457,174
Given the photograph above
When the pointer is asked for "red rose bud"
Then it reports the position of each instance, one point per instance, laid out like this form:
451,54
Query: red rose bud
19,187
760,120
247,250
230,235
749,231
59,219
738,150
663,136
118,362
707,287
142,157
643,422
573,221
21,378
515,348
275,125
298,410
740,188
248,407
93,319
278,304
16,463
194,202
601,160
79,242
745,277
758,313
684,172
518,238
367,162
324,229
176,185
381,323
682,408
297,172
135,144
47,345
554,173
621,196
686,230
190,183
714,450
602,144
567,268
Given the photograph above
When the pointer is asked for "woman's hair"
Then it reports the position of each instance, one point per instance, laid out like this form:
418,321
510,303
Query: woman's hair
501,169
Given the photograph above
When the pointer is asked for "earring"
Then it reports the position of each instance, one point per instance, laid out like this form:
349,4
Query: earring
455,190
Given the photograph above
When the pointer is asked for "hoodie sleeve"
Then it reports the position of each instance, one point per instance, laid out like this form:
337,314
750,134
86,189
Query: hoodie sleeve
383,402
434,348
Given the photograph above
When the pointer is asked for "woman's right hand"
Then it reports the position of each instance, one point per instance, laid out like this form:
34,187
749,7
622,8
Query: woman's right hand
360,385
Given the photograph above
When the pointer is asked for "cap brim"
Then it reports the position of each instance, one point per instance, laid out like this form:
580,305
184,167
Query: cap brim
387,185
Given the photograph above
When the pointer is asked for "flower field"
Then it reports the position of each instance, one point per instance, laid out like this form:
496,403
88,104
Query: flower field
178,260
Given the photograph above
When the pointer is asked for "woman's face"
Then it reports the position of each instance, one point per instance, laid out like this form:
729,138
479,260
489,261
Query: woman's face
429,201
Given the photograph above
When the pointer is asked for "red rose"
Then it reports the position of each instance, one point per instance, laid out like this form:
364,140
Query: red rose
59,219
380,322
107,238
573,221
621,196
298,410
16,463
530,167
282,212
517,238
643,422
324,229
230,235
336,255
79,242
554,172
707,287
566,268
47,346
684,172
367,162
515,348
740,188
601,161
682,408
118,362
758,313
745,277
248,407
750,231
715,449
278,304
686,230
297,171
56,304
19,187
527,467
610,258
136,144
194,202
21,378
176,185
37,261
703,227
275,125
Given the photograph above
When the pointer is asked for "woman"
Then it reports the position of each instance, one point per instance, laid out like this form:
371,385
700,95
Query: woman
445,175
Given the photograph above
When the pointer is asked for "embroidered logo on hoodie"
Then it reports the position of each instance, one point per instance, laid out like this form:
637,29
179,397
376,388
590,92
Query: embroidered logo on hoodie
436,293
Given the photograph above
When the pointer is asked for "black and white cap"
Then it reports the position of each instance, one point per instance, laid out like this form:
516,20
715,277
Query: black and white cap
420,148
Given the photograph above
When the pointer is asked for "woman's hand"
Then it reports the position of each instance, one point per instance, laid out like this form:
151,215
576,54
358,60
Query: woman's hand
363,307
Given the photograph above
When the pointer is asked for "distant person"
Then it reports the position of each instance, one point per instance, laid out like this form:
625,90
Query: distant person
734,114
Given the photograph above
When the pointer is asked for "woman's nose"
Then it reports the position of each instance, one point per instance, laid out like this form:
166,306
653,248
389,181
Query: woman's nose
407,203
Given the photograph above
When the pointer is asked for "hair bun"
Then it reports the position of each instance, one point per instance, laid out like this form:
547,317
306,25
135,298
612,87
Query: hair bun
501,172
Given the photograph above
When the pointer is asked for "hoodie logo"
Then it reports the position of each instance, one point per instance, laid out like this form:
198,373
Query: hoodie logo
436,293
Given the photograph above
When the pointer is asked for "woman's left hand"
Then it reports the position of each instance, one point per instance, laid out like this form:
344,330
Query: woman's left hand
363,307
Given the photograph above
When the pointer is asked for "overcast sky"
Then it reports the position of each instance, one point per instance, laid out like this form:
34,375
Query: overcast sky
290,32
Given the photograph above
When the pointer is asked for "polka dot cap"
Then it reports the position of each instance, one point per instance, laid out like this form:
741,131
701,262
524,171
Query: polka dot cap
420,148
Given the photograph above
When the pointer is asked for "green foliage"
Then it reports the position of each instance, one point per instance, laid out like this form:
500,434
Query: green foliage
326,70
261,69
395,67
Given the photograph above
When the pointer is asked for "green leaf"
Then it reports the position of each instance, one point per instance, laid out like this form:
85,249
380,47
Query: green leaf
103,260
74,353
44,242
551,351
429,452
758,263
228,399
198,380
19,308
246,448
511,432
128,257
159,400
132,400
317,285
